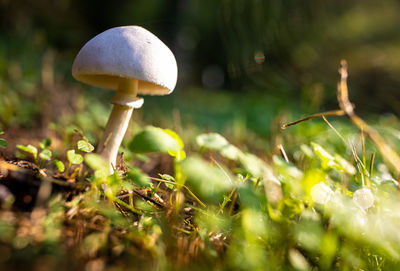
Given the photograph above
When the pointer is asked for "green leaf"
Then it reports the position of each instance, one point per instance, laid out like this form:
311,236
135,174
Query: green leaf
333,162
59,165
1,133
212,141
287,170
3,143
254,222
98,164
95,161
29,149
85,146
254,165
74,158
45,155
216,142
175,136
343,165
45,143
170,178
231,152
209,181
153,139
170,186
179,155
307,151
141,157
138,177
327,160
167,177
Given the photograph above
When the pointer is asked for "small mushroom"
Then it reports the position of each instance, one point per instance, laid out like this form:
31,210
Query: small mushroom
130,60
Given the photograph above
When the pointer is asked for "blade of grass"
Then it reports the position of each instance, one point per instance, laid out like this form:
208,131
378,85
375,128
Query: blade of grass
363,147
371,165
283,153
360,165
334,129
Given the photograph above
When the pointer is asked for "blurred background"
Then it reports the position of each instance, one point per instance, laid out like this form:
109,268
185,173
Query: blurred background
244,65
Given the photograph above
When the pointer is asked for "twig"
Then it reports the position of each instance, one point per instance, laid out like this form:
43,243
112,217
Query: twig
336,113
344,103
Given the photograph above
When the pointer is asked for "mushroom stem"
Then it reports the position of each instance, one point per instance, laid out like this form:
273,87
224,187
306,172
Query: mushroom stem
124,102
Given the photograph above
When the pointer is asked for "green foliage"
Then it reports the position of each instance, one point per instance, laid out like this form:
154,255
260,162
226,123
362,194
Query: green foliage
180,153
59,165
153,139
29,149
3,142
45,143
74,158
95,161
250,163
98,164
167,177
317,211
45,155
210,181
212,141
138,177
85,146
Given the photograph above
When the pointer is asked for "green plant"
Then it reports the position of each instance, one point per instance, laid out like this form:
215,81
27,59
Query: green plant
45,154
3,142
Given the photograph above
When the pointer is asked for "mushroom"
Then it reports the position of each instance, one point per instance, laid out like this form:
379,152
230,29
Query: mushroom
130,60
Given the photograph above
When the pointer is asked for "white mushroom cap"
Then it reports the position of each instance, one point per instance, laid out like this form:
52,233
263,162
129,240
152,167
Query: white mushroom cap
127,52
